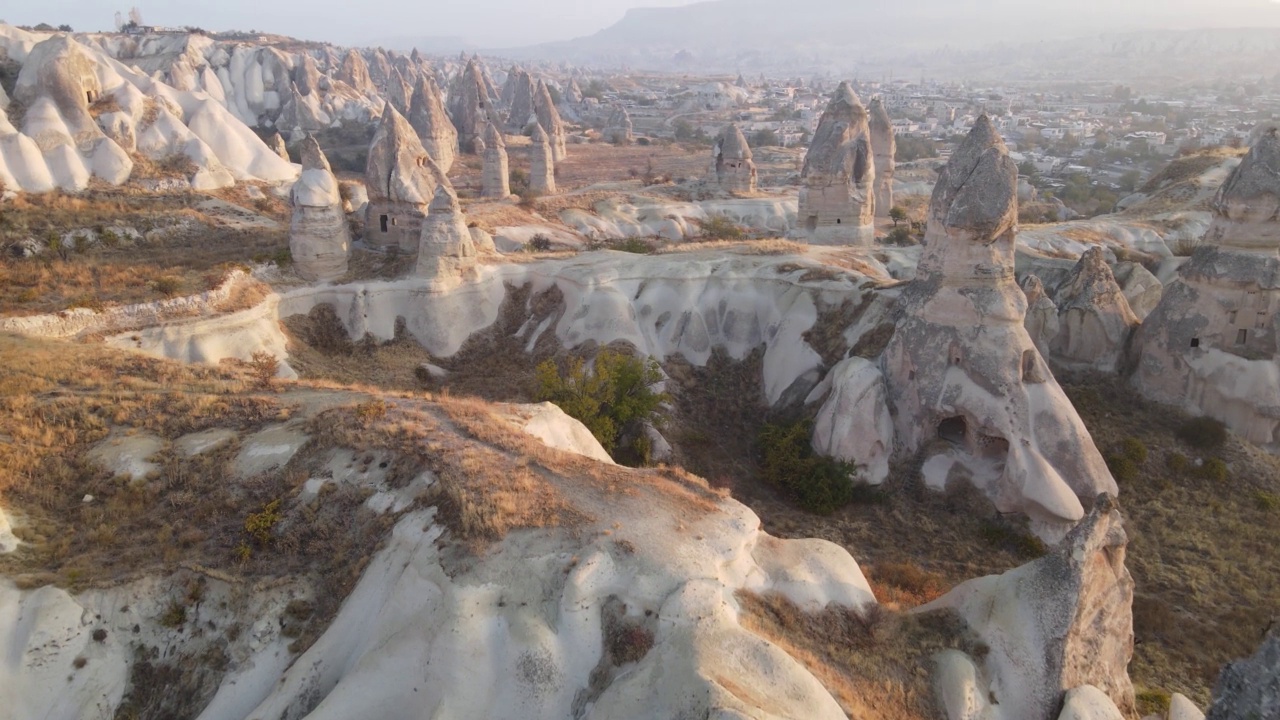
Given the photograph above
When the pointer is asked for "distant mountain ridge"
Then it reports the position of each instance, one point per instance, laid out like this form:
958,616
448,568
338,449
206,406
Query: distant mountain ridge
755,34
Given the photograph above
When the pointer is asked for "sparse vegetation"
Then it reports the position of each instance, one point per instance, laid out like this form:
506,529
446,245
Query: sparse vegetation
263,366
819,484
720,227
1203,433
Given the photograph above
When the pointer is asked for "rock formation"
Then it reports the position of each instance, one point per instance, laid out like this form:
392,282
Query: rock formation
884,146
401,179
854,423
445,251
618,129
276,143
495,176
306,75
1142,289
961,367
573,93
547,116
1053,625
1210,345
1042,315
355,72
542,166
735,170
468,106
520,89
1250,688
301,114
429,120
837,201
399,92
1094,316
318,236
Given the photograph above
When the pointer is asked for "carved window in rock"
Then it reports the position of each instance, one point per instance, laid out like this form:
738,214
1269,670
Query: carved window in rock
383,222
1231,317
1195,342
1260,322
1242,336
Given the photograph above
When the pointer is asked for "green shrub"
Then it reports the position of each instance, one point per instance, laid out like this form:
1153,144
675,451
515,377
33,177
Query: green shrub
616,397
636,245
1214,469
259,525
1132,448
1153,702
539,243
820,484
900,236
1178,463
168,286
1122,468
719,227
1203,433
1000,533
1267,502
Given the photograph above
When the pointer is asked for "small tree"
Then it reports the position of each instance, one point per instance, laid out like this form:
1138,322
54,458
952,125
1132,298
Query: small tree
263,367
897,214
610,400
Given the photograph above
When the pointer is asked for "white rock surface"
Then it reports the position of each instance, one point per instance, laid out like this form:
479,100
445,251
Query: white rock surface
551,425
1089,703
854,423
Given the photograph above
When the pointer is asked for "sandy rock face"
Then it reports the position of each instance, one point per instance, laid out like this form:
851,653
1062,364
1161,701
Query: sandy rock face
429,120
962,368
837,201
1250,688
401,179
854,423
542,166
495,175
517,93
318,236
1042,315
276,143
546,115
468,106
1094,316
735,170
355,72
884,146
1054,625
1210,345
446,252
618,128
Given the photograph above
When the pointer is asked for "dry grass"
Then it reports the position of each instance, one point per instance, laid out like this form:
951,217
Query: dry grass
180,258
768,246
874,666
1202,552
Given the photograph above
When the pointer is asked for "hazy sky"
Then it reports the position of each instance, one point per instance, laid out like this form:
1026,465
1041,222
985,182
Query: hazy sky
493,23
490,23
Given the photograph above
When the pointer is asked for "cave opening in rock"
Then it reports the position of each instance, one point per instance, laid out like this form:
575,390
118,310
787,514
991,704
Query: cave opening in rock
953,430
383,222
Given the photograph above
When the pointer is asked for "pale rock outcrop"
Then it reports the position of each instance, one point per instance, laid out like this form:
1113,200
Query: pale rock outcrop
429,120
1042,315
1250,688
962,368
548,117
618,129
469,106
306,75
1052,626
837,200
483,241
380,70
734,168
854,423
1211,343
276,143
573,93
302,114
318,236
1089,703
1142,289
1181,708
885,146
401,179
446,253
542,166
495,175
1094,316
518,94
355,72
61,70
399,91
